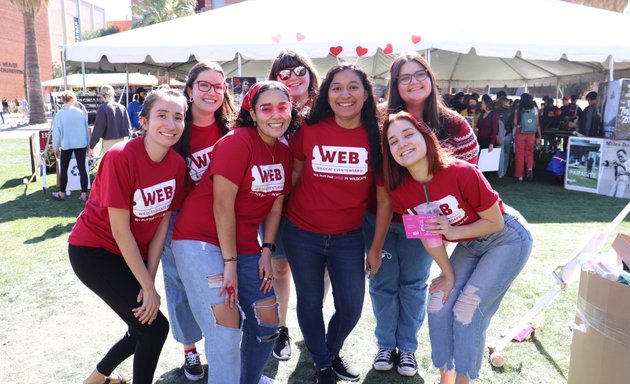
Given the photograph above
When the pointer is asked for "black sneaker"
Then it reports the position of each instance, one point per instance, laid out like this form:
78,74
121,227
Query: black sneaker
343,370
407,365
282,346
384,360
326,375
530,175
192,367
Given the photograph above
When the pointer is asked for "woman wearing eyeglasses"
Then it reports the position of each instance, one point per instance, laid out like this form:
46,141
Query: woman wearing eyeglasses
297,73
210,109
215,241
336,155
398,289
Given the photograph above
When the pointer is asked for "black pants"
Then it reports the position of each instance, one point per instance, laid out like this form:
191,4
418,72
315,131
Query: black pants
66,156
108,275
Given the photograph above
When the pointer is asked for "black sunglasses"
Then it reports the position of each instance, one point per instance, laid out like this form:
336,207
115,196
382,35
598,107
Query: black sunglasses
285,74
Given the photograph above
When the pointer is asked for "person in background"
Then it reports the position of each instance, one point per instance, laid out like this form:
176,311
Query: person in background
208,118
398,289
487,125
494,241
111,123
215,242
115,245
502,108
590,122
134,108
298,74
71,135
525,136
336,154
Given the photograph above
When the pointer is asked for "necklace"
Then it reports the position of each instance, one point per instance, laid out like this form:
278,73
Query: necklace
272,153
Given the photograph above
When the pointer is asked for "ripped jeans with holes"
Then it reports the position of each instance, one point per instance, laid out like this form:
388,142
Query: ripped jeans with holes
200,266
484,270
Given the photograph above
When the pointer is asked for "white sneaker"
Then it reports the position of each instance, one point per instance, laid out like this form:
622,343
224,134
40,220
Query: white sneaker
266,380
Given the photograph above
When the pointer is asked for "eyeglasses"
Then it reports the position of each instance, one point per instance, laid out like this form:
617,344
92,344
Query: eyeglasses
204,86
285,74
418,75
267,110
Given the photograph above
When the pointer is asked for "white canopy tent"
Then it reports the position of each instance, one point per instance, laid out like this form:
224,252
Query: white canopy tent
468,44
115,79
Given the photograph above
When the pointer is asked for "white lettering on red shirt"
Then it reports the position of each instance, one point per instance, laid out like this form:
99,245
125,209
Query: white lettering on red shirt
198,162
268,178
340,160
153,200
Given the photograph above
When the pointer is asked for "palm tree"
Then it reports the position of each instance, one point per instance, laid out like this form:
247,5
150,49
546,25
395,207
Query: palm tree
29,9
157,11
611,5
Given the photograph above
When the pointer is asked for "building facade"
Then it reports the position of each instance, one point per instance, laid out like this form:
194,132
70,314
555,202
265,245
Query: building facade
12,66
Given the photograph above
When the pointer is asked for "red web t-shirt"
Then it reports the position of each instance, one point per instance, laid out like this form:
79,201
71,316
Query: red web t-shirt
332,192
262,174
461,190
128,179
202,140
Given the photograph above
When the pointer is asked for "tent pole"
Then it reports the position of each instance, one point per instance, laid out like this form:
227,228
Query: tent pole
63,68
240,65
127,88
83,74
611,68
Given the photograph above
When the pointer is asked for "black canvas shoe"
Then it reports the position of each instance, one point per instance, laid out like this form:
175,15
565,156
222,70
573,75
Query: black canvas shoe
407,365
192,367
384,360
282,346
326,375
343,370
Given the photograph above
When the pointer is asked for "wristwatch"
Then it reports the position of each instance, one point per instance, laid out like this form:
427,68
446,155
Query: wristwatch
271,246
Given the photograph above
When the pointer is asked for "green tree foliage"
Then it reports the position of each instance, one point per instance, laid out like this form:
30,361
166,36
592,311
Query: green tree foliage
157,11
99,33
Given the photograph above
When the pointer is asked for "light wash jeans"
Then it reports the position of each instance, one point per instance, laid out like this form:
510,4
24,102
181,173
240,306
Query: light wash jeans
504,159
183,325
309,254
196,261
484,270
193,260
399,288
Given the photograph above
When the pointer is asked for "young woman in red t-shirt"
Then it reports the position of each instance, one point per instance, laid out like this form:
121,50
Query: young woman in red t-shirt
494,241
336,156
115,245
299,75
211,109
215,241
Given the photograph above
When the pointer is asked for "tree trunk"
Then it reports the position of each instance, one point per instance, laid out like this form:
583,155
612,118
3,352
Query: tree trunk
35,98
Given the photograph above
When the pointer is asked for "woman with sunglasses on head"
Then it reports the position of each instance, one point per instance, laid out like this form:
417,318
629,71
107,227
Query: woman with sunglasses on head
336,155
494,241
298,74
116,243
398,288
208,118
215,242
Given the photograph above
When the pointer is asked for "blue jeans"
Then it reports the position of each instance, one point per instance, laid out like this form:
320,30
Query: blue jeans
309,254
183,325
196,261
484,270
399,288
504,159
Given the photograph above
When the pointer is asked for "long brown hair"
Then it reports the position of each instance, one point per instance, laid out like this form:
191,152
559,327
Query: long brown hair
437,156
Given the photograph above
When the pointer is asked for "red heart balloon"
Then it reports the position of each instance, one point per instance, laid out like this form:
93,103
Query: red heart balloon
361,51
277,38
415,39
300,37
335,51
388,49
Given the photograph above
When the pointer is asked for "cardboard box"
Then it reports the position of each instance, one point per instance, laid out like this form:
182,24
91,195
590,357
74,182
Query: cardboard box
622,246
600,350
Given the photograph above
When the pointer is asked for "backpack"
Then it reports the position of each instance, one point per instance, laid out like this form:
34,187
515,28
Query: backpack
528,121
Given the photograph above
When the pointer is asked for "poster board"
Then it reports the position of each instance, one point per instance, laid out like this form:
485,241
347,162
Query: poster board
583,164
489,161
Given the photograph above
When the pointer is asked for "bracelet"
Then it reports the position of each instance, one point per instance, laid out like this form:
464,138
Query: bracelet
230,260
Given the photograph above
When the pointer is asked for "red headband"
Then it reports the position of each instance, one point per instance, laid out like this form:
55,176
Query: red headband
253,91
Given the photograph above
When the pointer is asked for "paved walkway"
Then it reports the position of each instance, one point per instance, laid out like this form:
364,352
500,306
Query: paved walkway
16,126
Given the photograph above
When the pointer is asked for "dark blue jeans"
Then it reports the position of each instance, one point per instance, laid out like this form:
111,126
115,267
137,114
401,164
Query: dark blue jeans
309,254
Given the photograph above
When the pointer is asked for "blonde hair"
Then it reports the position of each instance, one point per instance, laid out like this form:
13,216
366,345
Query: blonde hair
107,91
68,96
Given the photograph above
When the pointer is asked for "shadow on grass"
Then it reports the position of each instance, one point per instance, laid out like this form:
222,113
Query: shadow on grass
543,352
304,371
51,233
13,182
176,376
37,204
391,376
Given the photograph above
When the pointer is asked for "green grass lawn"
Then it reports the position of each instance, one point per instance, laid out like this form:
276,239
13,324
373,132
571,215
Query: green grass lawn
54,330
